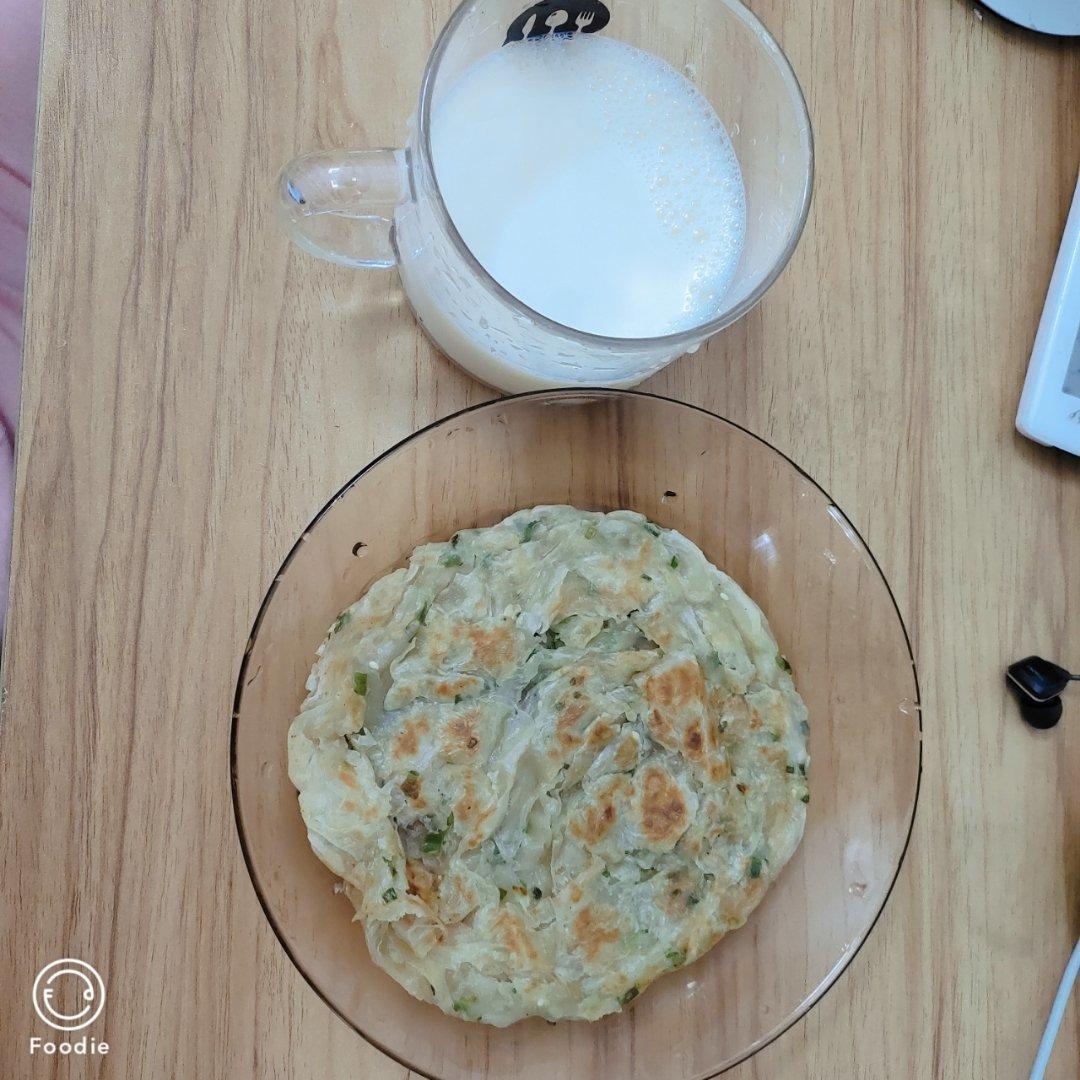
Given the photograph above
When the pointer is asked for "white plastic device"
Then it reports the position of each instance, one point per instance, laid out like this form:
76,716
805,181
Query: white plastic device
1060,17
1050,404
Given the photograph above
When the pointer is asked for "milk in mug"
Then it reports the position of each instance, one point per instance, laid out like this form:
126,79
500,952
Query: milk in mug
595,184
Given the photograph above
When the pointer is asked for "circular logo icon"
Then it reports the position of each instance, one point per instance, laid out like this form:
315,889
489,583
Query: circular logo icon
68,994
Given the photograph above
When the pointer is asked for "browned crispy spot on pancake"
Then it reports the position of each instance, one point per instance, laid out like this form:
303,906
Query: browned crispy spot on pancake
410,786
693,741
591,932
676,696
465,807
462,731
472,812
566,727
596,822
492,647
712,728
626,752
422,882
448,689
664,814
347,777
719,770
599,735
677,686
510,931
407,741
660,728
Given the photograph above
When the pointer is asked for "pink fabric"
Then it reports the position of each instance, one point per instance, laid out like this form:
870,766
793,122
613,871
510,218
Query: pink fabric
20,43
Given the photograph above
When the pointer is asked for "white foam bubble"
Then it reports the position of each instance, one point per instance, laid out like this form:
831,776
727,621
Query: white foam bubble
594,182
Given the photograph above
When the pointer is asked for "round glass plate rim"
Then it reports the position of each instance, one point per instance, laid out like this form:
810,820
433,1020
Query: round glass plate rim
569,395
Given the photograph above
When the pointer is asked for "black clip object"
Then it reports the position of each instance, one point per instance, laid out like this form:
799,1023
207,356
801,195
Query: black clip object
1038,685
1041,714
542,19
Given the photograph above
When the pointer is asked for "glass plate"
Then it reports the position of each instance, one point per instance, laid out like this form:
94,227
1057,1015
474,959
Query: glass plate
757,516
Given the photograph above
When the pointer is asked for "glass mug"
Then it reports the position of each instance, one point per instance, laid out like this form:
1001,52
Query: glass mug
382,208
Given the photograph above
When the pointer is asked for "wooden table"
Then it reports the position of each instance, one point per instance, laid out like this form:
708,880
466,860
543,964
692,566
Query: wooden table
194,390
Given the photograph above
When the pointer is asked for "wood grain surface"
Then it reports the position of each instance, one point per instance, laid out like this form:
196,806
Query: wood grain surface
194,390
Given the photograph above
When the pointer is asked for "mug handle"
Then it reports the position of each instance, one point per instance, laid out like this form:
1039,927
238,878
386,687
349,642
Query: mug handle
339,204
